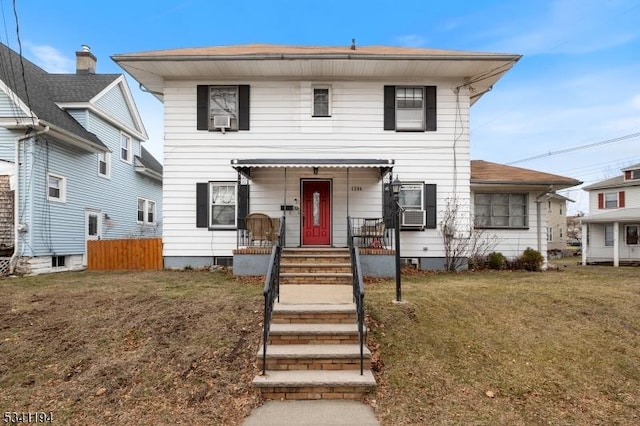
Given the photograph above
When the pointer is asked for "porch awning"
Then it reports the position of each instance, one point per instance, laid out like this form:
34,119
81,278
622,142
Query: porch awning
246,166
619,215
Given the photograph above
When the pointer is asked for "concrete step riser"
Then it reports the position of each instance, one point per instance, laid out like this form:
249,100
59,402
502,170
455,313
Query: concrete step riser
315,280
313,318
327,364
308,269
313,339
320,260
314,392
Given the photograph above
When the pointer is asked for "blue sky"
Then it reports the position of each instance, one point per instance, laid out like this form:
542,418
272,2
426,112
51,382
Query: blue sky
578,83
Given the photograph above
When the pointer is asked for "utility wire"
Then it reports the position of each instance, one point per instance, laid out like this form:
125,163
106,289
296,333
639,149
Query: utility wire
24,78
577,148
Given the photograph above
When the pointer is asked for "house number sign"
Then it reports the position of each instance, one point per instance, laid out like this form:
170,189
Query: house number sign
356,188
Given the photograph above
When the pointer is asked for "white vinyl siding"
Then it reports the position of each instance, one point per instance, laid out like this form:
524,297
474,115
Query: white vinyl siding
282,127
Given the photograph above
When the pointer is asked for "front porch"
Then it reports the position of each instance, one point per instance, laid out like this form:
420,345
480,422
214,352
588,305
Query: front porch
611,238
370,235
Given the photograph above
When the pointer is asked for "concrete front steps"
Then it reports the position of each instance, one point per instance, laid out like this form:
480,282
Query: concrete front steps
313,350
315,266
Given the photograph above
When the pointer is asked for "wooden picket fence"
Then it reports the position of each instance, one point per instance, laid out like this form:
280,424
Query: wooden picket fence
129,254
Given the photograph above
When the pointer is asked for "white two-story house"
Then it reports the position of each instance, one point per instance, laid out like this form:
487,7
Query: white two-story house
312,136
610,230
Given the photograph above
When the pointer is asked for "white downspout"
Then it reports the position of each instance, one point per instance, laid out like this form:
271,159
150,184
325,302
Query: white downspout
16,195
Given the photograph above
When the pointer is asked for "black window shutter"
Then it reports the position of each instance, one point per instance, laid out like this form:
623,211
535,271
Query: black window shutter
243,107
203,107
202,205
431,205
243,205
389,107
387,205
430,116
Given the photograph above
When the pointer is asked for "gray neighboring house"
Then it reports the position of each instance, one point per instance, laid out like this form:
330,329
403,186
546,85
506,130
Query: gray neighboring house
72,165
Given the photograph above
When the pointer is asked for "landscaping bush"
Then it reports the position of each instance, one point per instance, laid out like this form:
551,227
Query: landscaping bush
532,260
496,260
478,263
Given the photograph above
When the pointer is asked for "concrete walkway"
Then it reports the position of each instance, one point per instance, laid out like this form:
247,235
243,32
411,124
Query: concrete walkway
312,413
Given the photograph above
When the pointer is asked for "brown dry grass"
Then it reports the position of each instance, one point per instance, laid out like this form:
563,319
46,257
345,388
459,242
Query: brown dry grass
179,347
130,348
509,348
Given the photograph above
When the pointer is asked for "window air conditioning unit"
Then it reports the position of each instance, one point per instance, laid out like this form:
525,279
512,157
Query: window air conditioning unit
414,218
222,122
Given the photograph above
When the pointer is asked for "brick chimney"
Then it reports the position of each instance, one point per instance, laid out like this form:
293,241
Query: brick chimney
85,61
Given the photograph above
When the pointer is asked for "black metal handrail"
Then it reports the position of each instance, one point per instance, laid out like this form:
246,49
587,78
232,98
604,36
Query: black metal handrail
358,289
272,289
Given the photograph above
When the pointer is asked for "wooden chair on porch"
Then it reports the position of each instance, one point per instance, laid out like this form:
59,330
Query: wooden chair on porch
260,227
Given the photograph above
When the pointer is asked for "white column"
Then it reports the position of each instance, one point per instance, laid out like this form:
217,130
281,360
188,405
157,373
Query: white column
616,244
584,243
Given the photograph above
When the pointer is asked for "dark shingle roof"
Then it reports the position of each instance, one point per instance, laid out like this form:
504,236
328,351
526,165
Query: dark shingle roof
43,88
149,161
78,87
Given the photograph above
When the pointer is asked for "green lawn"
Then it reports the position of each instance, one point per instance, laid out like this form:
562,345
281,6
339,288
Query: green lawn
499,348
510,348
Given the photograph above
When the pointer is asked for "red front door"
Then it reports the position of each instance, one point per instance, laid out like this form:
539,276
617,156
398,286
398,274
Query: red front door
316,213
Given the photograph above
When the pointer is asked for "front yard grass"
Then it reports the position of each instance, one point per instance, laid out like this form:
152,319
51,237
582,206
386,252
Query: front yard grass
130,348
509,348
499,348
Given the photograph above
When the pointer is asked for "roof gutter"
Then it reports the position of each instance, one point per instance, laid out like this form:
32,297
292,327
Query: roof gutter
69,137
325,56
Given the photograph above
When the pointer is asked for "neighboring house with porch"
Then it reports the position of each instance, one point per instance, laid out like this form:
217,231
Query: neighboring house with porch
610,230
72,165
313,135
517,207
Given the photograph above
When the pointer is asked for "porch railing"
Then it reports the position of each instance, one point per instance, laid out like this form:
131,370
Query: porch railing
358,288
272,289
370,232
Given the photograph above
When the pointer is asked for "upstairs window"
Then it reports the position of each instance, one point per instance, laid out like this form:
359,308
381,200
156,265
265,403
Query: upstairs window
104,164
125,148
56,188
223,105
321,102
410,108
222,108
611,200
632,174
